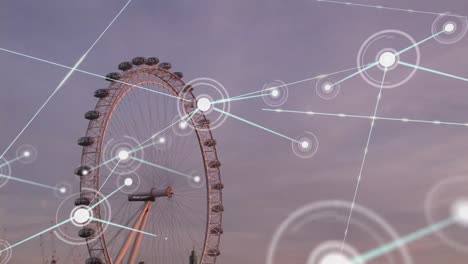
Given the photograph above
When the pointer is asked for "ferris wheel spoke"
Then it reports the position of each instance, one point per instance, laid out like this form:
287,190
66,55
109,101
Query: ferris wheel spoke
187,208
161,167
142,146
106,197
143,123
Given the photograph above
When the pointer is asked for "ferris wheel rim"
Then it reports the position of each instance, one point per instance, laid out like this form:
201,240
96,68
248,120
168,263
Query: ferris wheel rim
171,83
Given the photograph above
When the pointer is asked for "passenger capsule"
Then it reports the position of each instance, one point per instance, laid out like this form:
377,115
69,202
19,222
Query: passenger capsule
94,260
125,66
82,170
85,141
92,115
86,232
165,65
179,75
101,93
113,76
152,61
214,164
82,201
210,143
218,186
137,61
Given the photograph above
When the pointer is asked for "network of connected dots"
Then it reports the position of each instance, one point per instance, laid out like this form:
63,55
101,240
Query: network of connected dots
446,29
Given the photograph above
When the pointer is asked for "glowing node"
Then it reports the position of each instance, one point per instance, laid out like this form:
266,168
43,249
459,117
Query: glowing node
305,144
183,125
162,140
124,155
327,87
275,93
204,104
128,181
449,27
27,154
335,258
82,216
85,172
62,190
460,211
387,59
197,179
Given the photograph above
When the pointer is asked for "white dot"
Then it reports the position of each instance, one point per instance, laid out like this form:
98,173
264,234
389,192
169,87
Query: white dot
387,59
82,215
449,27
183,125
85,172
62,190
26,153
305,144
197,179
274,93
204,104
327,87
162,140
123,154
335,258
460,211
128,181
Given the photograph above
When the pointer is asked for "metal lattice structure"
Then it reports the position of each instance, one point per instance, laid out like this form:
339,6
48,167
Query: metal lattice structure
140,73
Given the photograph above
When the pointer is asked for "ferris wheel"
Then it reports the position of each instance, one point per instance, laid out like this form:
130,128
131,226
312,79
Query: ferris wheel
146,130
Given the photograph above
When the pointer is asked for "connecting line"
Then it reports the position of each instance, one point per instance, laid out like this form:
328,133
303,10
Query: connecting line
36,235
356,73
63,81
238,99
390,8
121,226
292,83
89,73
432,71
419,43
105,198
364,159
373,254
406,120
162,168
396,54
10,161
67,221
28,182
108,176
256,125
140,147
367,67
104,163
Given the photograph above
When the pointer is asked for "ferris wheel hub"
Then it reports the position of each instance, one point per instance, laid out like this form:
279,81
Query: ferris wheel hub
151,195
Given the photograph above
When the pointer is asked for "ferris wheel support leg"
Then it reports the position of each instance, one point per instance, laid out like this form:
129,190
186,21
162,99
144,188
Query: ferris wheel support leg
136,245
126,246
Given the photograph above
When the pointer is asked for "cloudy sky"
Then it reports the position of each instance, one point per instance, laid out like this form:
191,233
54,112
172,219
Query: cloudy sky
244,44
